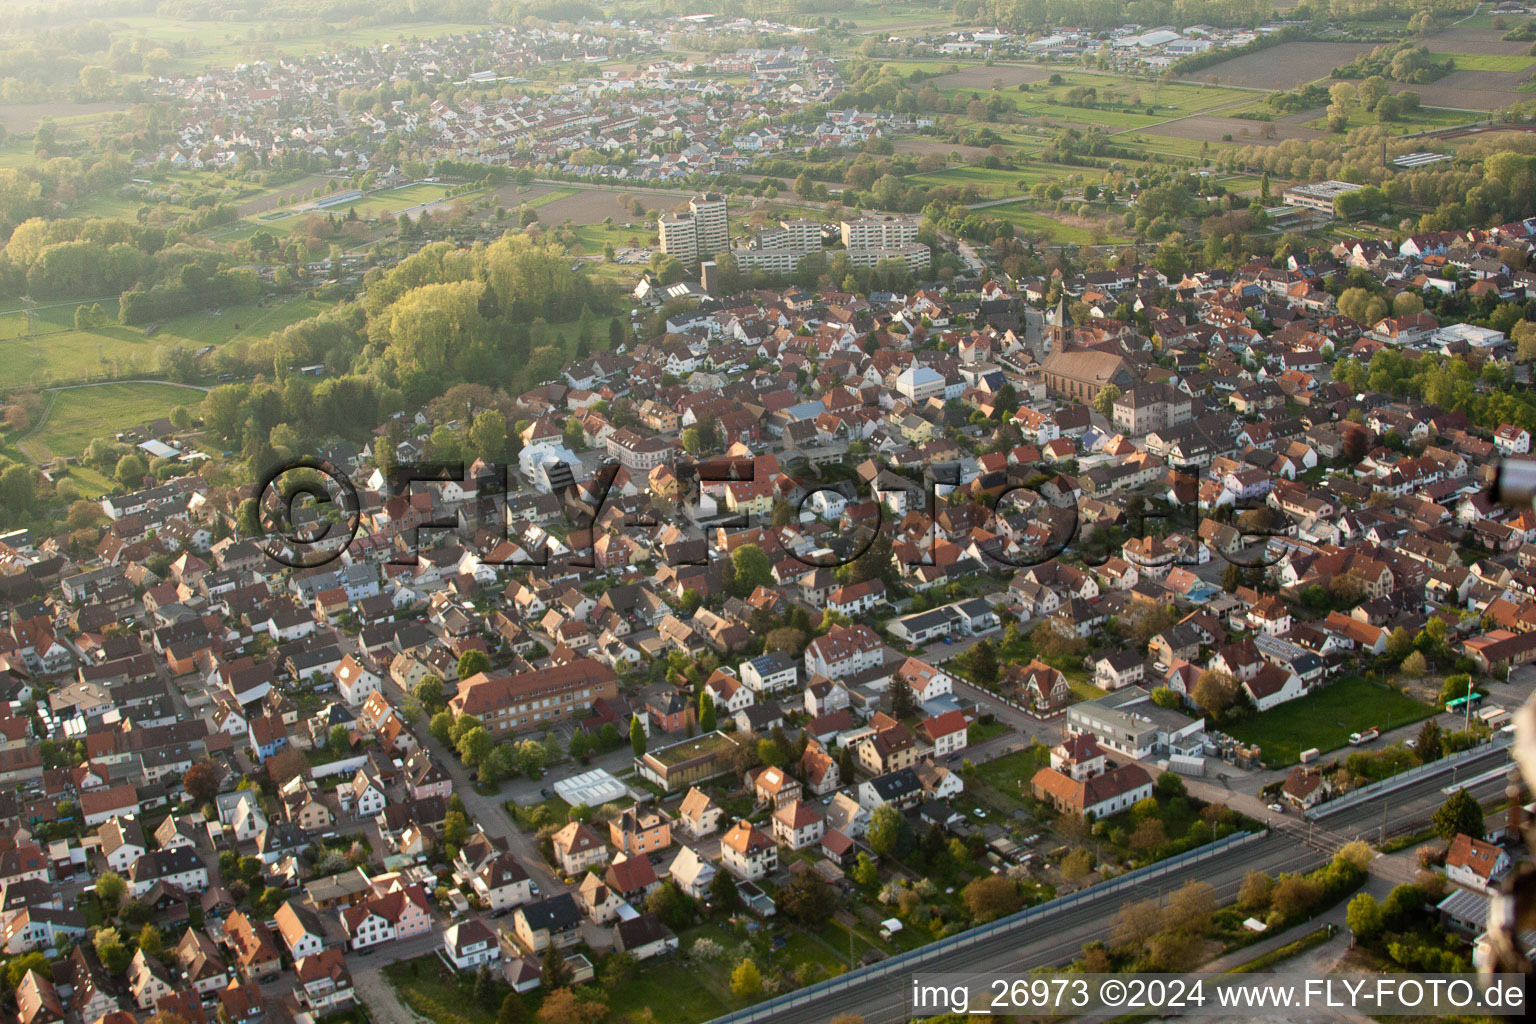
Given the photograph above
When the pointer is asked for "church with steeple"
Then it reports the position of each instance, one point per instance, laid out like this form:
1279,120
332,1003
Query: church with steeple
1058,327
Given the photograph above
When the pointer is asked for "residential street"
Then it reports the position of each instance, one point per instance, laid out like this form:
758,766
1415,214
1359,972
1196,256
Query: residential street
482,810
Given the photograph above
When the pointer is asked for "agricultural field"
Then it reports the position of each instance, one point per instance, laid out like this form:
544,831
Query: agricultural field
1282,67
1213,128
1469,37
592,206
24,117
233,42
77,416
1470,90
1487,61
923,146
981,77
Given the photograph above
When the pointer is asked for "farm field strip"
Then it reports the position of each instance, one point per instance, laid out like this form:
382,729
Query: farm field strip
1487,61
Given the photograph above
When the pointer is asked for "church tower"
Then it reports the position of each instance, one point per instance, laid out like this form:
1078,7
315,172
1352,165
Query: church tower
1058,327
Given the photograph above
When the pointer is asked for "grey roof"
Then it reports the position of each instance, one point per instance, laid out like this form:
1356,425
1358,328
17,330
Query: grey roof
557,914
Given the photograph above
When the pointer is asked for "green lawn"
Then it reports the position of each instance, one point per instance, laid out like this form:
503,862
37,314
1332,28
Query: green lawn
80,415
980,732
674,991
57,353
1487,61
1326,718
1004,781
1424,117
1031,222
424,986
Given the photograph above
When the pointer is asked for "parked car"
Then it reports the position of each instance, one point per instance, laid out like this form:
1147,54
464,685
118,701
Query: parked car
1277,808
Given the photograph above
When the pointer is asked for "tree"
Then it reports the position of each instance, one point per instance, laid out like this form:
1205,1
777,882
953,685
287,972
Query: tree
636,737
1460,814
340,740
1430,743
110,888
512,1010
201,782
1170,786
1254,893
807,899
752,569
889,833
561,1006
470,663
1076,864
983,659
1104,401
1415,664
723,897
151,940
18,967
114,954
428,691
1294,895
706,711
554,972
1215,692
1190,907
1134,924
787,639
771,751
488,436
1149,835
989,897
18,489
474,746
130,471
1051,641
903,700
455,828
671,905
865,873
441,727
746,979
1364,917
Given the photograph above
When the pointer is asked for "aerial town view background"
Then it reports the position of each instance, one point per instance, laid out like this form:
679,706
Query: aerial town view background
803,492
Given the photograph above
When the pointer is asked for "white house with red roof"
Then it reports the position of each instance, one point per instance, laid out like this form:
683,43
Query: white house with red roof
945,734
747,852
1474,863
844,651
797,825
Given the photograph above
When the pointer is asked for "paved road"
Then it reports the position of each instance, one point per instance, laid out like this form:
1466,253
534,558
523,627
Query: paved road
483,810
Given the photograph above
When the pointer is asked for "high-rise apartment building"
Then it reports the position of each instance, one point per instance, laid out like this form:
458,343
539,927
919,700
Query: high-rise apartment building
679,236
886,231
714,233
700,233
